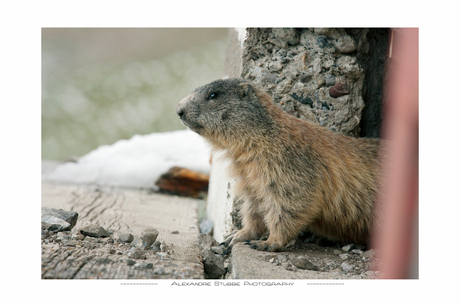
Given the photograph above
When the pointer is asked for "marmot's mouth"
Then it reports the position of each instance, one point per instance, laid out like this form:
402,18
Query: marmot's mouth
191,125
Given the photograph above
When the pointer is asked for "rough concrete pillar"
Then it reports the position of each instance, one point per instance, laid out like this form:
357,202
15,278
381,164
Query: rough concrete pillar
330,76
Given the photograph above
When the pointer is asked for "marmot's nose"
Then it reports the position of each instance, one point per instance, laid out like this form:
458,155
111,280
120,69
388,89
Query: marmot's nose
179,110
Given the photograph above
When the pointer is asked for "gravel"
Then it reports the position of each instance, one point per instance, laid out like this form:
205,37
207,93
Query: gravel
96,245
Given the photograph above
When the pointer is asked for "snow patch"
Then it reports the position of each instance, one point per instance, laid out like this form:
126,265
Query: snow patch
137,162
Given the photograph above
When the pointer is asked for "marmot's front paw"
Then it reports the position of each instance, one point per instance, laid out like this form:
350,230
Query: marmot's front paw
264,245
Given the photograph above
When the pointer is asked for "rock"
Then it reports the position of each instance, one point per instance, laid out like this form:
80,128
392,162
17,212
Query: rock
163,256
303,263
52,223
339,89
218,250
206,242
183,182
343,256
175,232
150,235
104,261
63,236
78,236
94,231
70,243
140,243
345,44
275,66
369,254
346,267
330,80
213,264
130,262
144,265
206,227
58,219
147,238
286,265
159,271
211,253
108,240
288,35
346,248
282,258
156,247
137,254
357,251
124,237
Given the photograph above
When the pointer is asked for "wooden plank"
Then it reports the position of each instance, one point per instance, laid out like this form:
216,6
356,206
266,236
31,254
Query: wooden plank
123,210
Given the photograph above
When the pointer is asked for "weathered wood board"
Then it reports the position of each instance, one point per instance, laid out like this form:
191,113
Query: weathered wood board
122,210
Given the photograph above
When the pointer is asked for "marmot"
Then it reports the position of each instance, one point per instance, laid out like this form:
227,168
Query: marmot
293,175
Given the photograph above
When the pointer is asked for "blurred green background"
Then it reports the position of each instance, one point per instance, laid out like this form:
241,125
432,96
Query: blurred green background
102,85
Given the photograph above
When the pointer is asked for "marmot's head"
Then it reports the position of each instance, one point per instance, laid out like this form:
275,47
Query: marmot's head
223,107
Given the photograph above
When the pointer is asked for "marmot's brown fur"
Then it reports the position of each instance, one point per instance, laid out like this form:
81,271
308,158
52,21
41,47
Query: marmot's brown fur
293,174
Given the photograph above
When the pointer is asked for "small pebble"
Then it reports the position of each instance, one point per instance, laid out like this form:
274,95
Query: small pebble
369,254
218,249
346,267
137,254
144,265
346,248
70,243
130,262
303,263
94,231
343,256
159,271
163,256
330,80
282,258
125,237
175,232
108,240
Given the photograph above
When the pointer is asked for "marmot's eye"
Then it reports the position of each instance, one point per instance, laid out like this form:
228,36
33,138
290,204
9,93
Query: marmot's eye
212,96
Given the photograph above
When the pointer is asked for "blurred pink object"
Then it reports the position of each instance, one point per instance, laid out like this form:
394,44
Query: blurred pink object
396,237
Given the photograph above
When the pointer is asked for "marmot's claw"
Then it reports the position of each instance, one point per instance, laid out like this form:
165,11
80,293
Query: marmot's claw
264,246
231,234
228,239
227,251
259,245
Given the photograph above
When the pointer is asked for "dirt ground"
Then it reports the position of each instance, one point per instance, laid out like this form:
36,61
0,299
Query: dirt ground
303,261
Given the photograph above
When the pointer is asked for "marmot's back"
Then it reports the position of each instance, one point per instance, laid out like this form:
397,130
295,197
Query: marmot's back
293,175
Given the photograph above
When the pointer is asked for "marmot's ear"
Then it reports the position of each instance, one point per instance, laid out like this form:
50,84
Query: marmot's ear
244,90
